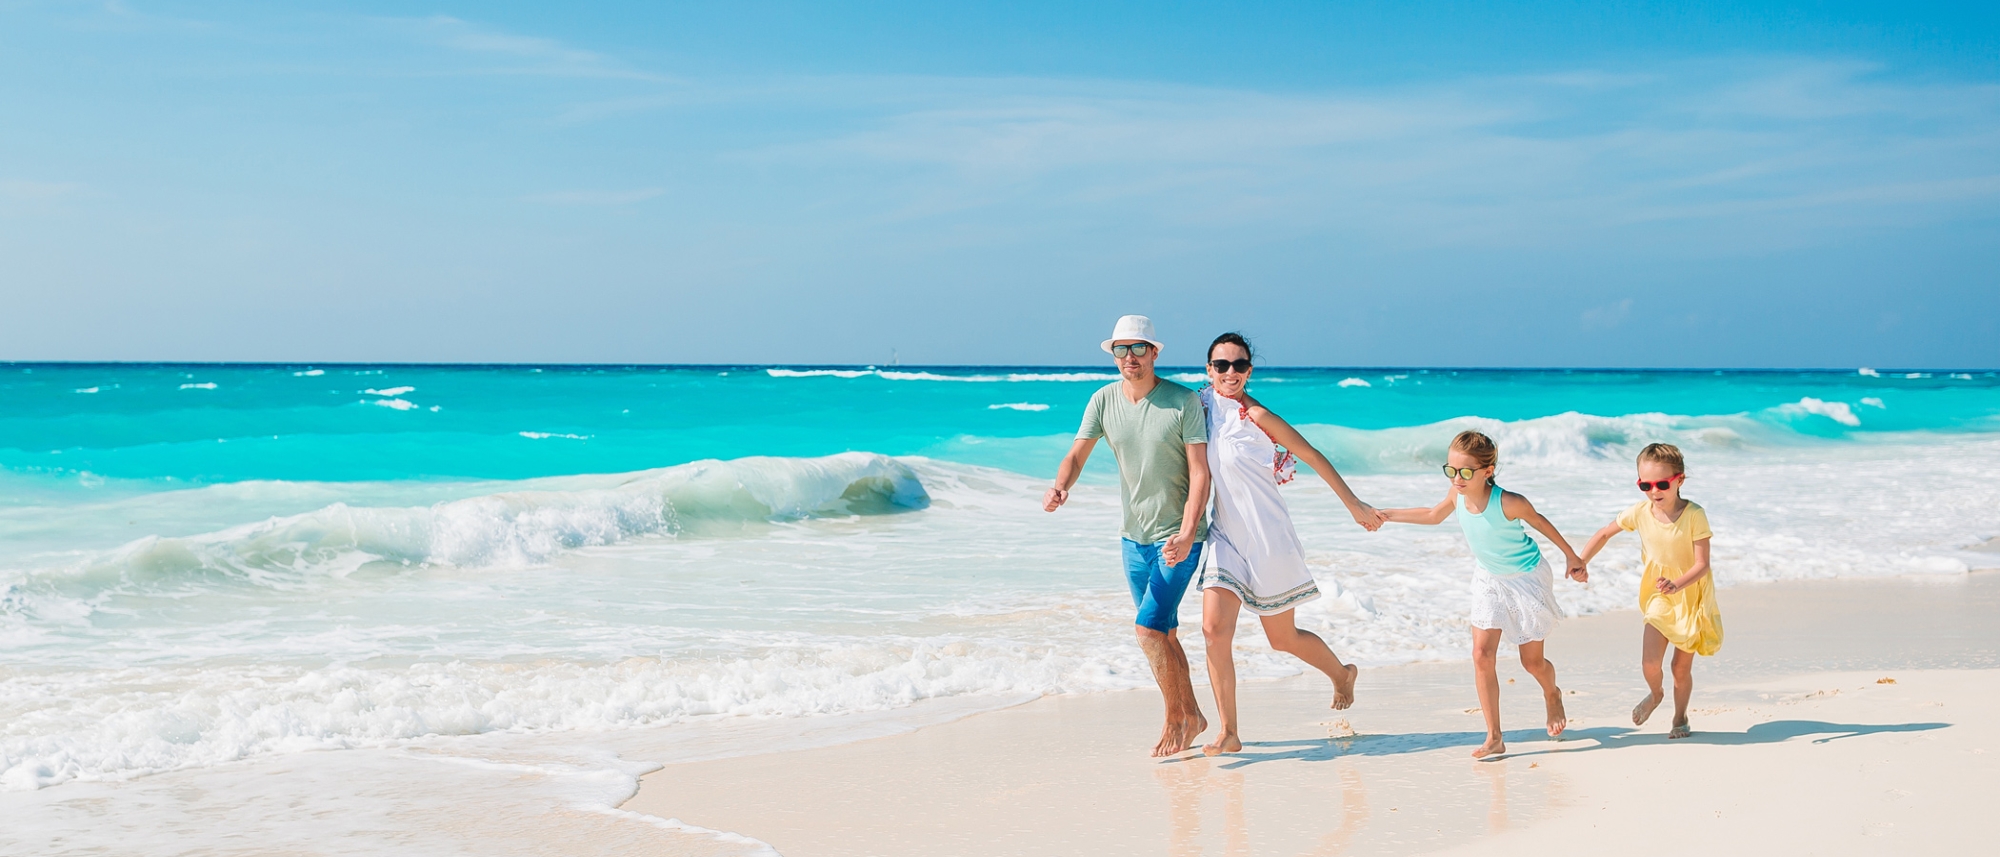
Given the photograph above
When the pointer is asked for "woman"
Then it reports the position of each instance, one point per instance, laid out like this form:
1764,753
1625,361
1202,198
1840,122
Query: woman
1256,560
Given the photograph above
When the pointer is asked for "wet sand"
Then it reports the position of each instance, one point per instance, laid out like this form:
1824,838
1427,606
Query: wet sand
1799,747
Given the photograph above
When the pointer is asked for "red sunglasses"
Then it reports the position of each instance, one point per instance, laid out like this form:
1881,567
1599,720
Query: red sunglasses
1661,485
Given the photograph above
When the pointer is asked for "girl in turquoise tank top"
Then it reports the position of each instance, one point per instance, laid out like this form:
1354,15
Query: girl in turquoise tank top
1513,590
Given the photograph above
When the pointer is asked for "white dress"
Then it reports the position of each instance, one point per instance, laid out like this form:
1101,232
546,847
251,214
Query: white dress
1252,549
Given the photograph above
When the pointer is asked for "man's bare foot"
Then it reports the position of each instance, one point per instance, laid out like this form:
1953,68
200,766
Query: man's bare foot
1227,742
1343,691
1680,730
1645,709
1493,747
1558,719
1170,740
1178,735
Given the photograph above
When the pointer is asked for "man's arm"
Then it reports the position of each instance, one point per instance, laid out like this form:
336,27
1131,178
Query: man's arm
1072,467
1180,543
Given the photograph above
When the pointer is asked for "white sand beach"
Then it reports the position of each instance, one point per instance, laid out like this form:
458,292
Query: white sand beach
1842,717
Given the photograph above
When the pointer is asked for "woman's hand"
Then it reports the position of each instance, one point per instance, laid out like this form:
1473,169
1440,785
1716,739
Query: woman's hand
1369,517
1667,586
1176,548
1579,570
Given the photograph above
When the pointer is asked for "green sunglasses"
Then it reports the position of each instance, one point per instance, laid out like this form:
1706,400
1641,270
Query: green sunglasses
1136,349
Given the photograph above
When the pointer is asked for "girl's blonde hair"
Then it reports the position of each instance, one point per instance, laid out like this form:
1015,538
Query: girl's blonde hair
1664,453
1479,446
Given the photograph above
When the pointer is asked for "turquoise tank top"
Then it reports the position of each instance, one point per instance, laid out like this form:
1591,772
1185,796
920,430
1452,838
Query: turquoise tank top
1501,546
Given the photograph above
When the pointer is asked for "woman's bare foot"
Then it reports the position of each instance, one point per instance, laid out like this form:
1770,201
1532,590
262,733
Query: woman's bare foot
1645,709
1558,719
1493,747
1227,742
1680,730
1343,692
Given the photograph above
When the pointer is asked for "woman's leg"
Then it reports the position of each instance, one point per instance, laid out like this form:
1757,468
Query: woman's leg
1652,648
1544,672
1218,631
1486,674
1683,689
1286,636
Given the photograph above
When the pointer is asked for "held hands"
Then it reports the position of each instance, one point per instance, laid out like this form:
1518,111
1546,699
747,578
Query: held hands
1579,570
1369,517
1176,548
1054,499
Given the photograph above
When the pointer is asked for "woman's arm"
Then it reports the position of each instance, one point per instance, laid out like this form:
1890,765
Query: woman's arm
1518,508
1694,574
1289,438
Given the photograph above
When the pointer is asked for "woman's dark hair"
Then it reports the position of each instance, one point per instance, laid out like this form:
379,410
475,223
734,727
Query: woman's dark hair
1231,338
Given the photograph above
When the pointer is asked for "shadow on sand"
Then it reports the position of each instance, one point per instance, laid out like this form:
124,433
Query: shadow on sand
1572,741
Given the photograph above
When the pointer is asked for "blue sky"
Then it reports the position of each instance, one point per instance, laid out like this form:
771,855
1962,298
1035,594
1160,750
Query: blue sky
1532,184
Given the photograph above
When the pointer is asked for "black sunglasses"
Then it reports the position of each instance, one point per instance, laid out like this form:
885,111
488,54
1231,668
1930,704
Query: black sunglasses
1136,349
1663,484
1221,366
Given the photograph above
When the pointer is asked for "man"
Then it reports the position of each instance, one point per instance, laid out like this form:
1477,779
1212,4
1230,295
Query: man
1159,434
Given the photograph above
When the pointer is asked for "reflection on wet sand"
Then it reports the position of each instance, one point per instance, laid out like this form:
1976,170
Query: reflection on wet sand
1190,782
1353,815
1496,782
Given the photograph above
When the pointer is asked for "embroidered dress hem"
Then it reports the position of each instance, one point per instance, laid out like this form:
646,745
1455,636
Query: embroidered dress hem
1271,605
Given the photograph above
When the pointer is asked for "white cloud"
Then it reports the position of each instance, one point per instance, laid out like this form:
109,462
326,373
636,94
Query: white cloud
1608,316
596,197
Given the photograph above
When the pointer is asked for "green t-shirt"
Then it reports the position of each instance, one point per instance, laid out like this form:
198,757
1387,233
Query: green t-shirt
1150,439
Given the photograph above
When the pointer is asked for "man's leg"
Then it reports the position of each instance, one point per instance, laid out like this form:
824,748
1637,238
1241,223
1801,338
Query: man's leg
1157,588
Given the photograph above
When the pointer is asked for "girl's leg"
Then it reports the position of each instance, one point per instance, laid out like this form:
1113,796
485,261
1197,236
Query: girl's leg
1287,637
1651,650
1218,631
1544,672
1486,674
1683,689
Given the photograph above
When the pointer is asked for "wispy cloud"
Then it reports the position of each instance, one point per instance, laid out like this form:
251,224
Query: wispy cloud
36,191
596,197
1477,160
514,53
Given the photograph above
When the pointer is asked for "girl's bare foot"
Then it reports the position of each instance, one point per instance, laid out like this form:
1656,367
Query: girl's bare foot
1680,730
1558,719
1493,747
1343,692
1645,709
1227,742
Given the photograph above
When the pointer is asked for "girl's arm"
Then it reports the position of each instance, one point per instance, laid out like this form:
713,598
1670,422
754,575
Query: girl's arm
1432,516
1686,580
1289,438
1597,541
1518,508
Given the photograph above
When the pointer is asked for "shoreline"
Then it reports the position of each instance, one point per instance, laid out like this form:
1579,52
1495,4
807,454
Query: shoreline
1789,707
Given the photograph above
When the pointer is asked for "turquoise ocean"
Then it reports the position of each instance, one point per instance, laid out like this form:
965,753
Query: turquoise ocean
203,565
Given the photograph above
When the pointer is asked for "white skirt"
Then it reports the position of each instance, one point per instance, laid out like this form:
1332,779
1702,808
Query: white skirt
1521,606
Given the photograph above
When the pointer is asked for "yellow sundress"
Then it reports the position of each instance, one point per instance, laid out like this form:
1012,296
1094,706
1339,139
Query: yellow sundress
1690,619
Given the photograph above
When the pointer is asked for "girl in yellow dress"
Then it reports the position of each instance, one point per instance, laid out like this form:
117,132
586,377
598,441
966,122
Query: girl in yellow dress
1676,591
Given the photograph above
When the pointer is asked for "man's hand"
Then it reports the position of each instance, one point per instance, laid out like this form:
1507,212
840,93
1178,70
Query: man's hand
1177,546
1054,499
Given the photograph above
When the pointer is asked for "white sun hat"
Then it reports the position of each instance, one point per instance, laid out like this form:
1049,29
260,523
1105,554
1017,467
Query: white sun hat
1134,327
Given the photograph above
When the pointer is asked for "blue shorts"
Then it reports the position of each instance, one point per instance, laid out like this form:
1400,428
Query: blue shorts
1157,587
